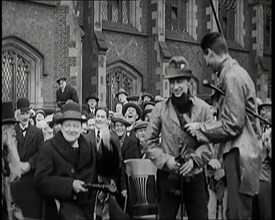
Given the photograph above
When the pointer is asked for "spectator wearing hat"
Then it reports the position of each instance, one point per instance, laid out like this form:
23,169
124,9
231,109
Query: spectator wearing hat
261,203
146,97
65,163
122,96
92,101
54,122
65,92
39,115
140,130
133,99
10,161
29,140
185,175
132,113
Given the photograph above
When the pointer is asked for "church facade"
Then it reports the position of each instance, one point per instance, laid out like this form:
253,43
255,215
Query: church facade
101,46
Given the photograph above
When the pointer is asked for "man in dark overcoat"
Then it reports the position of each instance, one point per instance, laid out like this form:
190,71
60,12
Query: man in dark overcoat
65,92
92,101
29,140
65,163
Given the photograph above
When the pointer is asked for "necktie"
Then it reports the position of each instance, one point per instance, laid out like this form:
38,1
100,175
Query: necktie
98,136
24,131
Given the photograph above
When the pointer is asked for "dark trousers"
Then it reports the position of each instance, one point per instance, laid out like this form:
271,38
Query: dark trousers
262,202
239,205
195,195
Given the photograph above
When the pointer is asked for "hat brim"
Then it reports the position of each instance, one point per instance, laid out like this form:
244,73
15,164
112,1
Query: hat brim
264,105
121,93
58,81
92,97
145,112
151,97
9,121
126,123
131,104
60,120
25,109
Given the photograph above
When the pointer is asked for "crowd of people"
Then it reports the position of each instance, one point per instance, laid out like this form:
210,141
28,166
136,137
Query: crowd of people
206,152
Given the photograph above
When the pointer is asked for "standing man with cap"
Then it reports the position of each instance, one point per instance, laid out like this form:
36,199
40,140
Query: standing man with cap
92,101
236,130
29,140
65,92
122,96
10,161
65,163
179,158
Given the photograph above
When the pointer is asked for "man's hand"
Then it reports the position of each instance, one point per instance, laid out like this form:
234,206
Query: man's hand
78,186
24,167
124,193
215,164
192,128
172,164
186,167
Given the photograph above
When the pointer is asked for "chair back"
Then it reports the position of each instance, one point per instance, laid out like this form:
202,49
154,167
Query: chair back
140,189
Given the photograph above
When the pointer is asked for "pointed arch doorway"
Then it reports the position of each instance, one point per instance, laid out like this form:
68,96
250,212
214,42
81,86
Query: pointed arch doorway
121,75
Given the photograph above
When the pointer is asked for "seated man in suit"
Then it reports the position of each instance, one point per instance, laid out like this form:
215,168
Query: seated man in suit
65,93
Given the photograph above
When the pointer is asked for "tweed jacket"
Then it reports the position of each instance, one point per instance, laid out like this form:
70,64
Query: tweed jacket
235,128
57,168
69,93
174,139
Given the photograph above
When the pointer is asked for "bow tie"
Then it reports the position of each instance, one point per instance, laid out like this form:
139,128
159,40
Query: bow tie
23,130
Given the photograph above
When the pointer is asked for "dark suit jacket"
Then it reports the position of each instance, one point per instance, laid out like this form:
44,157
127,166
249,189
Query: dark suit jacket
69,93
23,192
130,148
57,167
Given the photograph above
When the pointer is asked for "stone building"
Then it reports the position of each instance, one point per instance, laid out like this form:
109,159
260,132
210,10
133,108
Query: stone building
101,46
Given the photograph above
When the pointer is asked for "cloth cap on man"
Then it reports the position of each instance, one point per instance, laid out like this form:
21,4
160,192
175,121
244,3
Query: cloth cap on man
121,91
145,112
121,119
8,113
132,98
148,105
267,103
140,125
41,111
133,105
147,94
61,78
71,111
23,104
178,67
92,96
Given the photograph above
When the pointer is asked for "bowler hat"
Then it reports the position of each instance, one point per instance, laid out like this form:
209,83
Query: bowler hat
57,115
121,91
145,112
61,78
149,95
133,98
140,125
92,96
120,118
8,113
23,104
178,67
71,111
134,105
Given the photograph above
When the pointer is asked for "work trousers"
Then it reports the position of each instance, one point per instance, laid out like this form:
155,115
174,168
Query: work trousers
239,205
195,195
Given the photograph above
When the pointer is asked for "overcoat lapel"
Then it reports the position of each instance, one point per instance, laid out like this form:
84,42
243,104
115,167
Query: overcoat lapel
172,113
